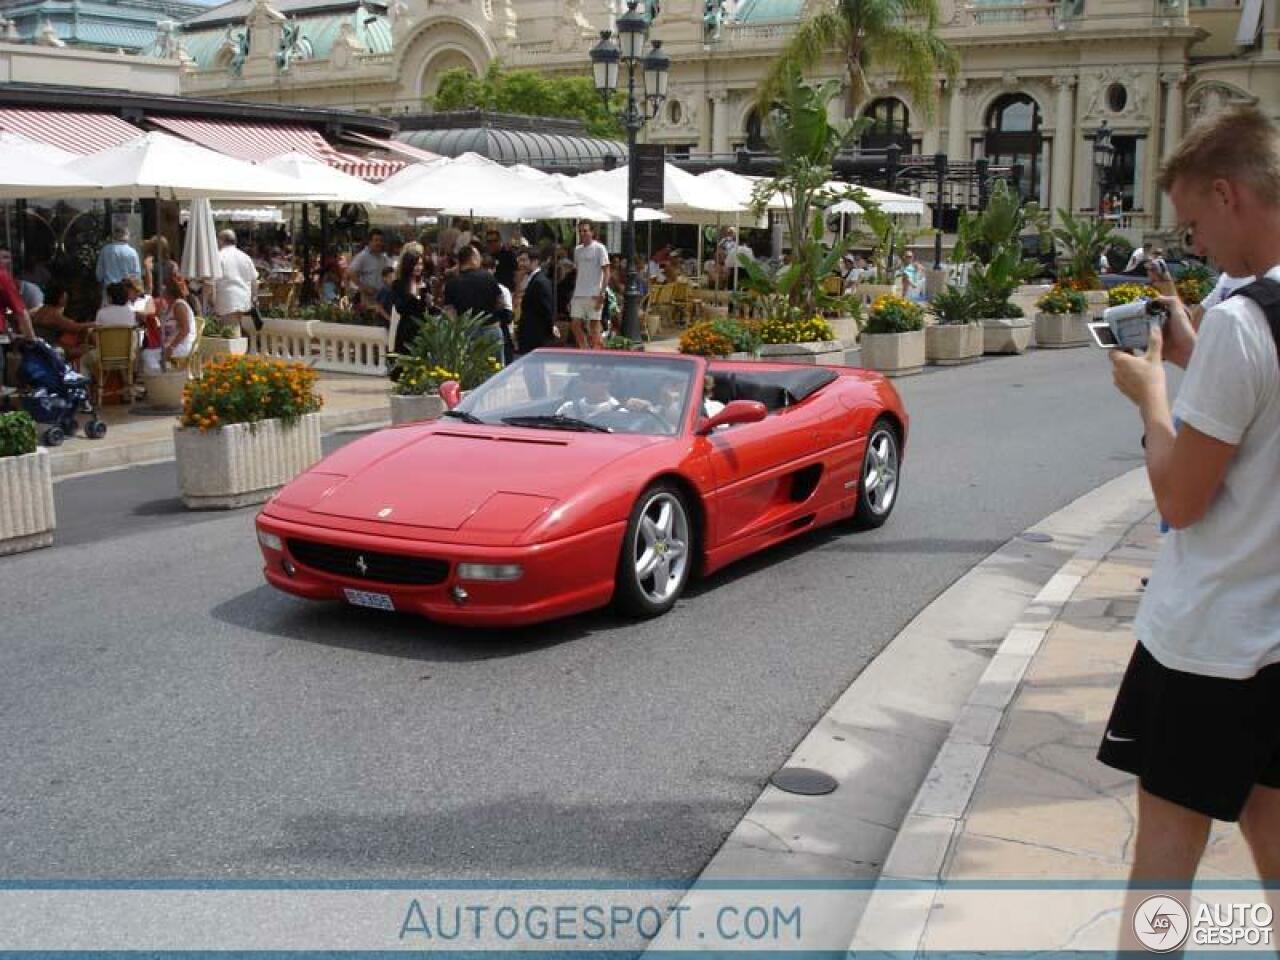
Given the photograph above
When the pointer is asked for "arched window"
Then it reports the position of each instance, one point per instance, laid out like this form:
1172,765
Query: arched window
755,132
890,123
1013,138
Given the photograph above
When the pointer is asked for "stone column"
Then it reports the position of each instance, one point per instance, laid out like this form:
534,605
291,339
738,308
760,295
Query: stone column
1173,106
957,133
1064,136
720,123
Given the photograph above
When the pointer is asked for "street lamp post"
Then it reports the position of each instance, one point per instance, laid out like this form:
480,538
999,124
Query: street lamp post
1103,156
606,58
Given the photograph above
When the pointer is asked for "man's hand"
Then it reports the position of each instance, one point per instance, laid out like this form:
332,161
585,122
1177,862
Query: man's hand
1141,379
1162,282
638,405
1179,334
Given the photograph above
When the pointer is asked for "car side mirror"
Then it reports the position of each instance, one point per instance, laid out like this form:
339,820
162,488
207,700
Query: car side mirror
738,411
451,393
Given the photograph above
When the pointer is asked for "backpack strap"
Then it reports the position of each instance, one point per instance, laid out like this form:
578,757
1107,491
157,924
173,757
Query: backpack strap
1266,294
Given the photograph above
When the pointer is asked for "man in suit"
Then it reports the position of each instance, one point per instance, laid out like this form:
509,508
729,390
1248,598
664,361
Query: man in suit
537,309
537,317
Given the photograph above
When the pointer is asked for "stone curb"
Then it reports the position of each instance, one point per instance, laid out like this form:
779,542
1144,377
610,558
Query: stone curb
924,839
70,463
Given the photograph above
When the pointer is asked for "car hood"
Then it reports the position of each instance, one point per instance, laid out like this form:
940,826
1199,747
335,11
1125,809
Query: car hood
487,479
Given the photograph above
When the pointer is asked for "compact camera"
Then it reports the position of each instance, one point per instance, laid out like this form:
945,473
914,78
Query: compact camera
1128,326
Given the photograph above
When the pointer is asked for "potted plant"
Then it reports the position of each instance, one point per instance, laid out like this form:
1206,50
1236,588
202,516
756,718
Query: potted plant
956,336
447,347
26,487
1129,292
1084,240
789,336
1195,284
249,425
893,341
1062,320
616,341
217,337
704,340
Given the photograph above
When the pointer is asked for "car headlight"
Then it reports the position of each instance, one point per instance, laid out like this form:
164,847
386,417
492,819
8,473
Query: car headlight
490,571
270,541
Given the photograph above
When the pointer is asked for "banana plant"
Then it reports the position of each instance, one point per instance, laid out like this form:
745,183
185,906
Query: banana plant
1084,240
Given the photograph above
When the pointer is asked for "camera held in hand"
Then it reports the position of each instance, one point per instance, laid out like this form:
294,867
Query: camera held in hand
1128,326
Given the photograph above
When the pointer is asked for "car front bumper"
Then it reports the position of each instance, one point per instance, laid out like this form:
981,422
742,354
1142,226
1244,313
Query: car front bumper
559,578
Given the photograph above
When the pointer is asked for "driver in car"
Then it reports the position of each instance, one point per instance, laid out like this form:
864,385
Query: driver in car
596,399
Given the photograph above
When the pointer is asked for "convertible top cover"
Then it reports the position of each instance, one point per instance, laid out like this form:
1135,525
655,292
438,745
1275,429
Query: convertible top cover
775,389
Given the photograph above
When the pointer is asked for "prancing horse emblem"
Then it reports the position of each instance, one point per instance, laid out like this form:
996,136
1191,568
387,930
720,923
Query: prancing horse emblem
362,566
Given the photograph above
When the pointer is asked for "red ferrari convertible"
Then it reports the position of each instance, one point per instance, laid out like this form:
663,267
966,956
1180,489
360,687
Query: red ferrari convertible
575,478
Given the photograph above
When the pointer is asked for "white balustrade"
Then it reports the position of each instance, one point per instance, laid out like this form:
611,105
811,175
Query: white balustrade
349,348
286,339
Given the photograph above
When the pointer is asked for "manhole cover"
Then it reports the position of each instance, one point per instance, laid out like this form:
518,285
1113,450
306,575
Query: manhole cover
1034,537
802,780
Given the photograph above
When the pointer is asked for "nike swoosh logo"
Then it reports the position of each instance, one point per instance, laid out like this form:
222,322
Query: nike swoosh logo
1114,739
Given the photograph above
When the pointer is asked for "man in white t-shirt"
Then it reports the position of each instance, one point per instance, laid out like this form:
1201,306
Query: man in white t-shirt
591,264
1197,717
235,292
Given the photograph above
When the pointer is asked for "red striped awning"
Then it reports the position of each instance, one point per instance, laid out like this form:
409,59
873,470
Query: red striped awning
259,141
78,131
394,146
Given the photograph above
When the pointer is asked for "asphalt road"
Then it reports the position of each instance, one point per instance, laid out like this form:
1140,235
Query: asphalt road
164,714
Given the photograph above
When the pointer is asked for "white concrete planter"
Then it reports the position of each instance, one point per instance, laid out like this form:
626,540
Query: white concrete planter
952,343
286,339
350,348
1055,331
243,463
830,352
165,389
1006,335
846,329
210,346
428,406
1095,301
894,354
26,503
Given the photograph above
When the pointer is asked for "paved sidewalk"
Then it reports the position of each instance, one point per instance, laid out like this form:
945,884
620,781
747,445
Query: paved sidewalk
138,437
1032,807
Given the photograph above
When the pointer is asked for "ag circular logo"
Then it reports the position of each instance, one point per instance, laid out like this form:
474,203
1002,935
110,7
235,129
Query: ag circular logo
1161,924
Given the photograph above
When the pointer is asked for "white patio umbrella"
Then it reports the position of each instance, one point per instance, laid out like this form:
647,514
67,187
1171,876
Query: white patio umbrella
889,202
26,172
684,194
166,167
574,206
330,185
200,251
51,154
606,199
472,185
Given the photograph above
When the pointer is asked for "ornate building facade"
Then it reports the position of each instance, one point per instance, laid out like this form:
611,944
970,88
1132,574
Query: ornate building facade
1038,78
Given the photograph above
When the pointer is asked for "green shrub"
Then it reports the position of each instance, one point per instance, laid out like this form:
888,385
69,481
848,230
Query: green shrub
955,306
17,434
450,343
1061,300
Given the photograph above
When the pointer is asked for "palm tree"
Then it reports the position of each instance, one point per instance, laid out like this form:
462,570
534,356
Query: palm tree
899,33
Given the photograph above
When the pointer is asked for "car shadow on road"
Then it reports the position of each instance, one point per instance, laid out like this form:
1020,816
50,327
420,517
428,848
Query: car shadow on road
840,540
405,636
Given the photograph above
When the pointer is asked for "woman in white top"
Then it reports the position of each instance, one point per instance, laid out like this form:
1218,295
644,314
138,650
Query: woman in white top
178,323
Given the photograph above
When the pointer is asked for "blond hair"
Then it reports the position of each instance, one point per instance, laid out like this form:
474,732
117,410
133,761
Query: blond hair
1239,144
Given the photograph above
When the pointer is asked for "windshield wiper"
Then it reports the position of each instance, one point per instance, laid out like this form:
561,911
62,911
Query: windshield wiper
556,422
463,416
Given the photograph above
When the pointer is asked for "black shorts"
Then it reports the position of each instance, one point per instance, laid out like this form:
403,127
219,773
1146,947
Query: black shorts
1200,742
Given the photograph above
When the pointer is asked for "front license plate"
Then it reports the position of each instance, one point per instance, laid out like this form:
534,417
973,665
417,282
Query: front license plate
363,598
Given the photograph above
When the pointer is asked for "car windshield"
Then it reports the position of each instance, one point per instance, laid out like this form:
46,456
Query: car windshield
596,391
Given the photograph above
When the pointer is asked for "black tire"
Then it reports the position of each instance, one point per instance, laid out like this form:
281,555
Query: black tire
95,429
640,596
53,437
875,503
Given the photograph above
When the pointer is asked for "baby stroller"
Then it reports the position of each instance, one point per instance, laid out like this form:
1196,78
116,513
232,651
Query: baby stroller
53,393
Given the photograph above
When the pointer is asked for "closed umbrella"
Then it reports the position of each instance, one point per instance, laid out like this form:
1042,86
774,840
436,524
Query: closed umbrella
200,252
